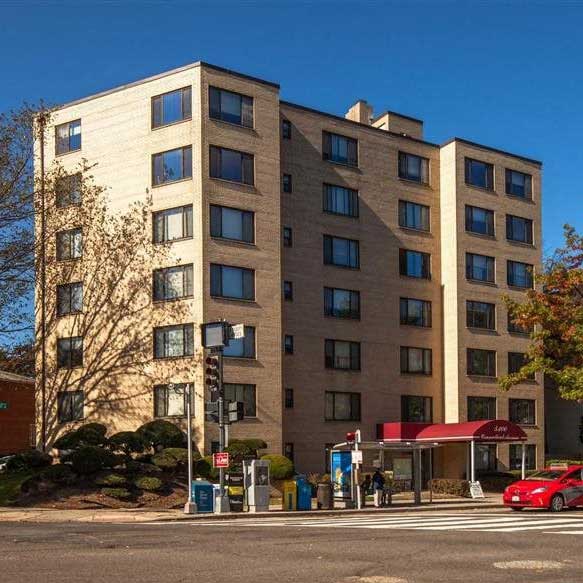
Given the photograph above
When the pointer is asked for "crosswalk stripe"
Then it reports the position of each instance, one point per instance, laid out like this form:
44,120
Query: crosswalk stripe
541,526
396,521
564,532
490,523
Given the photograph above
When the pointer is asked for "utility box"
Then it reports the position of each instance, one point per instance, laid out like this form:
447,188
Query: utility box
290,495
257,486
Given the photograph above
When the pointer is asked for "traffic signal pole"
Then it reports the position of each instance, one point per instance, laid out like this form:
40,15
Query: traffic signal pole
222,502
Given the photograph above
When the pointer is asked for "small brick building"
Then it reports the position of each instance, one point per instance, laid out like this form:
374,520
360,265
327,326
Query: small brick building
16,413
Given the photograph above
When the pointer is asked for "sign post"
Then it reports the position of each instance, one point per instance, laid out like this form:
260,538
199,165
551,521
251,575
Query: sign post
190,506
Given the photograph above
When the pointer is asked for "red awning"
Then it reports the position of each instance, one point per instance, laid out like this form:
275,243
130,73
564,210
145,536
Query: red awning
484,431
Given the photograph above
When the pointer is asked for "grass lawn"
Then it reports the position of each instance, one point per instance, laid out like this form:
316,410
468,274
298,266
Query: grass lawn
10,486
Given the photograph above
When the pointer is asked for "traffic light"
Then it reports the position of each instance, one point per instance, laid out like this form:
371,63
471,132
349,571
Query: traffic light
350,437
213,375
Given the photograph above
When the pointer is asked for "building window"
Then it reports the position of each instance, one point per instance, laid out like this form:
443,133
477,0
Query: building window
242,347
519,229
341,252
416,409
286,183
174,341
339,149
516,360
522,411
481,362
517,328
519,274
171,400
486,457
342,355
288,344
232,165
339,200
68,137
289,398
414,168
70,405
415,360
70,244
342,406
480,315
341,303
70,352
481,408
286,129
288,451
172,224
233,224
246,394
68,190
69,298
518,184
479,174
516,456
479,220
480,268
231,107
288,291
414,264
171,107
415,312
287,237
173,283
172,165
413,215
236,283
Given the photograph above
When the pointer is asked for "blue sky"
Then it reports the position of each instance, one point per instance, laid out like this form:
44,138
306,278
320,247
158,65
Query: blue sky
509,75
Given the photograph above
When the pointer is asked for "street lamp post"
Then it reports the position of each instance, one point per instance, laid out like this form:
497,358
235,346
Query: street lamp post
190,506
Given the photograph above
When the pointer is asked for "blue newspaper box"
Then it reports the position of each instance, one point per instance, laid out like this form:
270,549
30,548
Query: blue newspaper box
202,494
304,494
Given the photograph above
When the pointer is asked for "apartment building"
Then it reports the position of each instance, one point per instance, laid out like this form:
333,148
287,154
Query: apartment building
367,265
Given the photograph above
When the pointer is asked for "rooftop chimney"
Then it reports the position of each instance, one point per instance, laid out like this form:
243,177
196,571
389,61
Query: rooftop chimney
360,112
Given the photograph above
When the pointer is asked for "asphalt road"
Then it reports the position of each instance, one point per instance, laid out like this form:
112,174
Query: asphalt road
403,548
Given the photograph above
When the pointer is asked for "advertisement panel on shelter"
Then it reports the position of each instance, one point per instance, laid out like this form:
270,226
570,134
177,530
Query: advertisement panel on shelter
341,471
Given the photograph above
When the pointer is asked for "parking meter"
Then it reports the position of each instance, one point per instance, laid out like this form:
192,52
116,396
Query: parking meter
257,486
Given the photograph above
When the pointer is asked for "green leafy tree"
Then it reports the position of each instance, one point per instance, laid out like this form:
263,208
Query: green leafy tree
553,313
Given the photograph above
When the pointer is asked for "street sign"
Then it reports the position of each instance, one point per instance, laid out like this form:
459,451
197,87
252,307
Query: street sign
236,411
357,456
221,459
237,331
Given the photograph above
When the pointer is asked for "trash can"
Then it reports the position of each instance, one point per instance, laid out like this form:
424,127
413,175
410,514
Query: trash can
304,494
203,495
290,493
325,496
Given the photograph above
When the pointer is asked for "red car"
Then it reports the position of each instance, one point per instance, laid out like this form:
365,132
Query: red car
552,488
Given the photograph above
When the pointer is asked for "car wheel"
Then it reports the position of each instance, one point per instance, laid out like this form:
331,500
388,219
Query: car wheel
557,503
516,508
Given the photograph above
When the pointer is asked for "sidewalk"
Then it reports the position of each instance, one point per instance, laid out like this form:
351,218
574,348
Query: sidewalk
145,515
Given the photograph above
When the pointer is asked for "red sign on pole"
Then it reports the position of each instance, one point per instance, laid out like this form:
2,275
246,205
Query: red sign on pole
221,460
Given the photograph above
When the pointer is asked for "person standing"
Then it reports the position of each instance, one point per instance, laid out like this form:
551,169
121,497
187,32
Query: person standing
378,483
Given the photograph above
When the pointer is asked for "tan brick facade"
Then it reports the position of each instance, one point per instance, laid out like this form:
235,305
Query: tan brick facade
117,134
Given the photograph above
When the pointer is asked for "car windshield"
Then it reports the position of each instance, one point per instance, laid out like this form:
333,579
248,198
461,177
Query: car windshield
546,475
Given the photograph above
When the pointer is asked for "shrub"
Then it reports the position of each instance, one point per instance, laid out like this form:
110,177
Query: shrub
89,459
555,462
161,434
119,493
451,486
127,442
204,468
253,443
59,474
280,467
111,480
88,434
238,451
164,461
180,454
29,460
148,483
136,467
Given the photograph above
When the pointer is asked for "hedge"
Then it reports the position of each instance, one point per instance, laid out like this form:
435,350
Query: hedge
180,454
88,434
90,459
127,442
280,467
119,493
164,461
59,474
111,480
161,434
29,460
148,483
451,486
